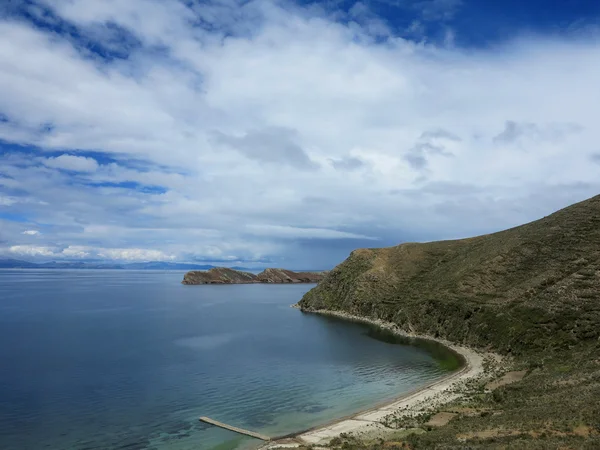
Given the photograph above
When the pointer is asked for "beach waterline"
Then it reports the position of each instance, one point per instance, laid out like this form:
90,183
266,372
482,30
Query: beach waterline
469,363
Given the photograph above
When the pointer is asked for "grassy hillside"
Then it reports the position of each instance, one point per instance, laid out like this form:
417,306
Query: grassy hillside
531,292
520,290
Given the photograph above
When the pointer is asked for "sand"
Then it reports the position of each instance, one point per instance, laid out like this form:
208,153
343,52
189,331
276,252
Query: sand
369,422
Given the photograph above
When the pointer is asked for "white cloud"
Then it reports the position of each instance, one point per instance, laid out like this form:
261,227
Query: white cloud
32,250
82,251
280,115
71,162
31,232
7,201
134,254
76,251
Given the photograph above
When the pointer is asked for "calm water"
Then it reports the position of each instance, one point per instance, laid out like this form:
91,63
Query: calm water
130,360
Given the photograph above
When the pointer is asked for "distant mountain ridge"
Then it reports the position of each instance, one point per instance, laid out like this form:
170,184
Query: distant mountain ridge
151,265
16,264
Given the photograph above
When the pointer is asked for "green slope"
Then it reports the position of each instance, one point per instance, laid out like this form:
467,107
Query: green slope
532,287
531,293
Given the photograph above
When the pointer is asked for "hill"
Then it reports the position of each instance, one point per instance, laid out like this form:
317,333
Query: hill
223,275
16,264
531,293
287,276
518,290
219,275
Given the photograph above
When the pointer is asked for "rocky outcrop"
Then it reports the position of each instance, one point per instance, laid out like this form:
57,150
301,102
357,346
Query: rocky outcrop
281,276
218,275
223,275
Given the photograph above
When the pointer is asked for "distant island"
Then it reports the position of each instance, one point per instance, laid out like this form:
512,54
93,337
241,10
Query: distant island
224,275
149,265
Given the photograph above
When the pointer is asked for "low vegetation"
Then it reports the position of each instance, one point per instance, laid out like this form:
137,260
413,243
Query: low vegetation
531,293
224,275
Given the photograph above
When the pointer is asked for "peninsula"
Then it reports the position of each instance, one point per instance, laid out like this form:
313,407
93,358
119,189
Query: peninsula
224,275
530,294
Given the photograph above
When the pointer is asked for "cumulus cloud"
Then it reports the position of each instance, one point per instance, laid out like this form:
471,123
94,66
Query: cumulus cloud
7,201
362,14
31,232
208,121
32,250
85,252
71,162
76,251
134,254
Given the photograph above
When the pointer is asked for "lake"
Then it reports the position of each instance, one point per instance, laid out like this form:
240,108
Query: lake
93,359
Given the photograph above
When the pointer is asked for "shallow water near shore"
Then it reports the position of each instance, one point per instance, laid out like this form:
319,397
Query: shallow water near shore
130,360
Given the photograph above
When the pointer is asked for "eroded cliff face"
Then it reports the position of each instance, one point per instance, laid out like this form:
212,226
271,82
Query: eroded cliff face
222,275
529,288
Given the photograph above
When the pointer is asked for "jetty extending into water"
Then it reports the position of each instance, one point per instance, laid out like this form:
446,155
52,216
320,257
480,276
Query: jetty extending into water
235,429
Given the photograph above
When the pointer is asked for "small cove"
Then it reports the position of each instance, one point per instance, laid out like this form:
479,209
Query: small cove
115,359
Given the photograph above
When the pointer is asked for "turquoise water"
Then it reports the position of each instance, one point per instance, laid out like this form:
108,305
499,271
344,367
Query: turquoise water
130,360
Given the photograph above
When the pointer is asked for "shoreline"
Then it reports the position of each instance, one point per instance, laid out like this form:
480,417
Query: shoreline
369,420
267,283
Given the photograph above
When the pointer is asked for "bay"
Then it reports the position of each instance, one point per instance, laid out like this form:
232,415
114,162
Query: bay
93,359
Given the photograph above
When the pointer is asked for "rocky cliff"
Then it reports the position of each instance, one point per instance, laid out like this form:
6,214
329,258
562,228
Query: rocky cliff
222,275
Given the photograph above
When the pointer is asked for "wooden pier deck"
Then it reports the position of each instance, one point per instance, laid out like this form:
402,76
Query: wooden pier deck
235,429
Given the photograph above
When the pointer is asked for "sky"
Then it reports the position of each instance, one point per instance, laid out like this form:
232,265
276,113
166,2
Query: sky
287,134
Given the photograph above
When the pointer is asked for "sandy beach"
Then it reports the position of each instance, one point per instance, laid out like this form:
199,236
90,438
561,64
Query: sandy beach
370,421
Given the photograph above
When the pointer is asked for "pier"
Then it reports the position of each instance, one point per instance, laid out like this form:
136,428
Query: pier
234,429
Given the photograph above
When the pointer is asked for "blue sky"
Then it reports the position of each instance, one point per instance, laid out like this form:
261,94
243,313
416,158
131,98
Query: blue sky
287,134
